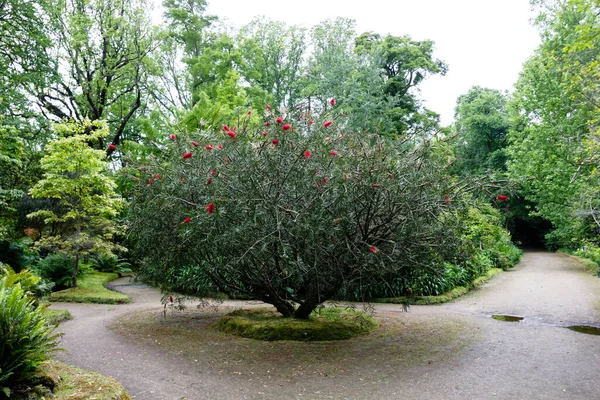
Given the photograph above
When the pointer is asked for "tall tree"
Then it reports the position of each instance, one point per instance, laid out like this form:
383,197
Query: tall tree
23,57
482,125
554,116
273,61
102,46
77,175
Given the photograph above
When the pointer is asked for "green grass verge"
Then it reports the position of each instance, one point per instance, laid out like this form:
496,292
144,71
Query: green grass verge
327,324
591,264
91,289
55,317
442,298
59,381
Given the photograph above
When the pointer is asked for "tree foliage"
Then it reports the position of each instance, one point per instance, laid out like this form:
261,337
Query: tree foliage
482,125
554,118
76,174
102,49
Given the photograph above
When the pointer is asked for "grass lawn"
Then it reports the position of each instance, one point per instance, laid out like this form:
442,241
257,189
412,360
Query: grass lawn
91,289
73,384
54,317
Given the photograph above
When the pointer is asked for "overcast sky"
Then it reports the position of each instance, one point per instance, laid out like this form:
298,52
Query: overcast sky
484,42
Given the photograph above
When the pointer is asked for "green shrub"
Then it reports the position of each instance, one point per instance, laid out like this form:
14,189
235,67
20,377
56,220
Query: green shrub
25,339
33,285
17,254
109,263
58,268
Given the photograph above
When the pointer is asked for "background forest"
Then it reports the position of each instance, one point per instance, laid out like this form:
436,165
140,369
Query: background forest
282,163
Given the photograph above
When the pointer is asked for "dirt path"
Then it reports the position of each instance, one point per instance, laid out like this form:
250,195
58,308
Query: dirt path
461,353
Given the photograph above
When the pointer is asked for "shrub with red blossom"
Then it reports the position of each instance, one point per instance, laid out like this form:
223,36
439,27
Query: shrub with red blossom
290,226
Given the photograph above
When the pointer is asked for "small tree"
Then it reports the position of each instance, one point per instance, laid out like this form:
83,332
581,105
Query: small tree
291,213
77,175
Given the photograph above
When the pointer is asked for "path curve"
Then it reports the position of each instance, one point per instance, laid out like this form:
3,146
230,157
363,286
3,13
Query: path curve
534,359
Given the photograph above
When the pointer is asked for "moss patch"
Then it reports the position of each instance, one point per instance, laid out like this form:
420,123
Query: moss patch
59,381
91,289
327,324
55,317
442,298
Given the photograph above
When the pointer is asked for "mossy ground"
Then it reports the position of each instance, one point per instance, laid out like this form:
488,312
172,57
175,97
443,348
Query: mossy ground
442,298
324,324
72,383
55,317
401,341
91,289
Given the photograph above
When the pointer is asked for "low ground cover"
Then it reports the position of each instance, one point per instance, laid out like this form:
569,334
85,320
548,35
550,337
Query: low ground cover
91,289
326,323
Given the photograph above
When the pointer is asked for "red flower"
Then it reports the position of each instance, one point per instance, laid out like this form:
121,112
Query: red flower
213,172
210,208
332,102
265,133
226,128
373,249
333,152
502,197
267,123
209,147
325,179
220,145
150,181
187,155
286,127
447,199
195,144
375,185
310,122
156,176
268,107
249,112
112,146
173,137
307,154
279,120
171,299
231,134
186,220
209,181
327,124
275,142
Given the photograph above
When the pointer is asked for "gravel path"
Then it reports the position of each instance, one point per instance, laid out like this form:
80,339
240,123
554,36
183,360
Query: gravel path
536,358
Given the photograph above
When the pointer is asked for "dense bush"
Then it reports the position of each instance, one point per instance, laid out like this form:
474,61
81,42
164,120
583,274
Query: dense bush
483,244
32,285
25,339
109,263
292,213
17,254
58,268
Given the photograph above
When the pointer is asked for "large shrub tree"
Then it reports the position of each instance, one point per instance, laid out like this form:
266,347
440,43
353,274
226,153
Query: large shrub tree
292,213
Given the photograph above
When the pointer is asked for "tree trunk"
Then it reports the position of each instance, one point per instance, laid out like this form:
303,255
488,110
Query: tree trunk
305,309
75,271
283,307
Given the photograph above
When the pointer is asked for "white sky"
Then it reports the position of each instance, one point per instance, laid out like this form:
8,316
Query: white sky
484,42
